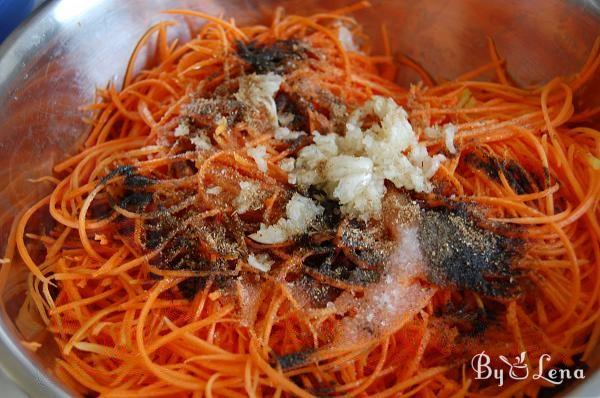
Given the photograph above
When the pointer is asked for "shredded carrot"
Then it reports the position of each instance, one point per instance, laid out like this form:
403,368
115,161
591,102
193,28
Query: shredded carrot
120,322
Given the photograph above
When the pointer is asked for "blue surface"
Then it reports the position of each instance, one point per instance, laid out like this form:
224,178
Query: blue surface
12,13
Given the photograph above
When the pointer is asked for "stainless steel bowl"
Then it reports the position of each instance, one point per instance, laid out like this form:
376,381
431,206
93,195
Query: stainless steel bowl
52,64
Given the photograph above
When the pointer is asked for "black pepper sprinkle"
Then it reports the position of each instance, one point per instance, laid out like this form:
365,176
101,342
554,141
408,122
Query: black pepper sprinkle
137,181
366,245
118,171
271,58
459,253
518,178
135,201
294,360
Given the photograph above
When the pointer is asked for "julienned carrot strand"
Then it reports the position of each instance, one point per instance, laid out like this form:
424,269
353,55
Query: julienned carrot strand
425,77
499,63
120,322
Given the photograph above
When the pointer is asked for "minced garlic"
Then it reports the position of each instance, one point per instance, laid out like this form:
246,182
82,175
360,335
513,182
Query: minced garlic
301,213
347,39
249,197
214,190
261,262
201,142
352,168
448,131
258,91
287,164
285,134
258,153
182,130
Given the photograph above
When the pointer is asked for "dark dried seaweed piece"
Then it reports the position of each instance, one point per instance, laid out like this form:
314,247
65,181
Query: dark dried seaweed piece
194,246
461,254
220,240
276,57
133,181
518,178
297,107
330,219
153,238
365,245
190,287
135,201
118,171
318,293
123,226
100,209
470,322
235,227
294,359
333,268
195,262
183,168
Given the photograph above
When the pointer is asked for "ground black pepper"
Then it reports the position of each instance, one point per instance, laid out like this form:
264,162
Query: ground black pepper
276,57
518,178
461,254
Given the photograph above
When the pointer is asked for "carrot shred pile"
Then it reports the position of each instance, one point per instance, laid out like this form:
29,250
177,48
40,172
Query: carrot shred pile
121,325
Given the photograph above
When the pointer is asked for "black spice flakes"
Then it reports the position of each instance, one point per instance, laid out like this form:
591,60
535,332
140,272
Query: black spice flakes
461,254
276,57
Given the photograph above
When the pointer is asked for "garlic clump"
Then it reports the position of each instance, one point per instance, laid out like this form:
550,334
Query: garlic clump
352,168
